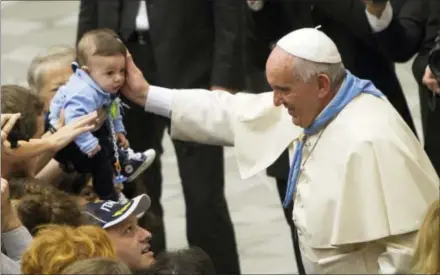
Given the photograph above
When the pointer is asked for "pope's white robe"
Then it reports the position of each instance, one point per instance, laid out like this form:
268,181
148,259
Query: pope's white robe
363,191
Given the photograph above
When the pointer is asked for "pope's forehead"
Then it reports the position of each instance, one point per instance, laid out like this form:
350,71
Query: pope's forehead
279,59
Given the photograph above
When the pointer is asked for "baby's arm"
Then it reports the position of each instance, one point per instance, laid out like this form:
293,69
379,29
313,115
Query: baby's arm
78,105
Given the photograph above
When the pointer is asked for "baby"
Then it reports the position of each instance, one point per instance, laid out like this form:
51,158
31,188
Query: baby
98,76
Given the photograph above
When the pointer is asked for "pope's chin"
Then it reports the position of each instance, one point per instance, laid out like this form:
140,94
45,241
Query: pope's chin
296,121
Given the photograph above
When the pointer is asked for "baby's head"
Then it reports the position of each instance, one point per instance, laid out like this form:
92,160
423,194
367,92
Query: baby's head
102,55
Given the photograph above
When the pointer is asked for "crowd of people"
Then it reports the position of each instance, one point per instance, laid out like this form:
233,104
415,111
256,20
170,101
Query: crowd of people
81,146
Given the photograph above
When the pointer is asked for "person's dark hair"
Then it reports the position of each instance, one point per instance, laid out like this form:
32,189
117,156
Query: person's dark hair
50,206
18,99
97,266
72,183
189,261
99,42
22,186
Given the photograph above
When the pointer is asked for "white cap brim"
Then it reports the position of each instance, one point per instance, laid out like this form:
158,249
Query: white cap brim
138,208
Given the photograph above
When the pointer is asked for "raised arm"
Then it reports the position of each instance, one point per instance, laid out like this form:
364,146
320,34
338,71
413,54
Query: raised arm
196,112
15,237
197,115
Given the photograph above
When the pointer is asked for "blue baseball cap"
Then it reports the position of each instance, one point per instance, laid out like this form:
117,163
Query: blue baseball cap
109,213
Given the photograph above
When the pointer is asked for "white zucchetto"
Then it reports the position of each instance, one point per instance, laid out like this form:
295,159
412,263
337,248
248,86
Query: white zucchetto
310,44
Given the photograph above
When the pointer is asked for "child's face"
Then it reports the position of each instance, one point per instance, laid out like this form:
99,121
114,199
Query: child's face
53,79
108,72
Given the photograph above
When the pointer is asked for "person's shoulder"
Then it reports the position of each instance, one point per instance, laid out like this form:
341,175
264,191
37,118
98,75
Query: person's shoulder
82,98
371,112
373,120
79,88
76,86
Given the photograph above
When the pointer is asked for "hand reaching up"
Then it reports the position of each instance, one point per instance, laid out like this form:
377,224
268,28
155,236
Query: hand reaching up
61,138
8,121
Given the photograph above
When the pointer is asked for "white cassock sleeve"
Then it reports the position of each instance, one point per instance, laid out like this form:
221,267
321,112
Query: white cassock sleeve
204,116
159,101
243,120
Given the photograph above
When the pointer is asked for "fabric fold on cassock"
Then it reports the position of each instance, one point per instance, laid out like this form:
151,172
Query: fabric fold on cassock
362,198
268,131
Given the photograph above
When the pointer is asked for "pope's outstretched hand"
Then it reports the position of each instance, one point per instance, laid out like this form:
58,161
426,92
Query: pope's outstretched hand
135,87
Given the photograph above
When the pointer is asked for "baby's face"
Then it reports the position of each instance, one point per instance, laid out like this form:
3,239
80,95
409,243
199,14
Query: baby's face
108,72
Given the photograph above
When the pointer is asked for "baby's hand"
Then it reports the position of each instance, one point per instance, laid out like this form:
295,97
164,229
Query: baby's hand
94,151
122,140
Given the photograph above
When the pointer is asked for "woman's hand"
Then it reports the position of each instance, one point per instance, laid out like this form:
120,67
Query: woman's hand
102,116
66,134
55,142
8,121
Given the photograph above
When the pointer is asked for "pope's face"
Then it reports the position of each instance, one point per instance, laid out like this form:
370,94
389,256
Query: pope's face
301,99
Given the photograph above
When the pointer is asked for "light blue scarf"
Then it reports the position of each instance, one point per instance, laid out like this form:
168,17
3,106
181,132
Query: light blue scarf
351,87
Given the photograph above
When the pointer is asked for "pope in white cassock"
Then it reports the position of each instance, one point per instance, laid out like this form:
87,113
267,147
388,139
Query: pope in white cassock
360,181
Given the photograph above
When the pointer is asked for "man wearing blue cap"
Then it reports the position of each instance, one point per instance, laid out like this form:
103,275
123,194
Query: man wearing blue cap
131,242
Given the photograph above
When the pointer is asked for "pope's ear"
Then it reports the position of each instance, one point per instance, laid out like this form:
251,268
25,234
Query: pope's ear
324,85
